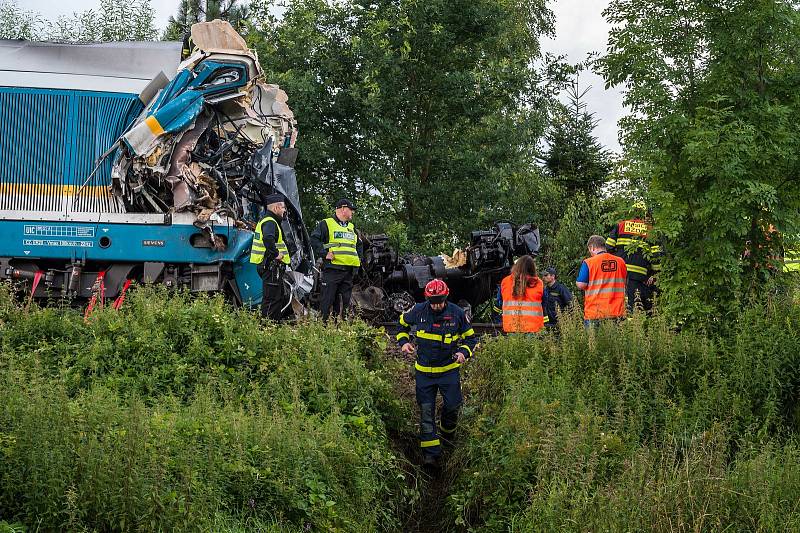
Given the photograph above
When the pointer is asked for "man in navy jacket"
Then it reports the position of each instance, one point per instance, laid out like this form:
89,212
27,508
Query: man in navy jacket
444,341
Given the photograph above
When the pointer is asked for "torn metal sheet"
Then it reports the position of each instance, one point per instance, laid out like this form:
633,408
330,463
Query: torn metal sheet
217,138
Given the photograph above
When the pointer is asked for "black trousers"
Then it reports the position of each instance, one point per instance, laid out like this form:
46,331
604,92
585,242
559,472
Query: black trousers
274,291
640,295
337,286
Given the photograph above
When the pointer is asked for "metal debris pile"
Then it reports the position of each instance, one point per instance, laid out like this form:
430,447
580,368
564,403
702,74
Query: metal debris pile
214,141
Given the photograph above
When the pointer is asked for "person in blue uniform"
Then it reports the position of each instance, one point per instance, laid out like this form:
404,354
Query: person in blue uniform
559,296
444,341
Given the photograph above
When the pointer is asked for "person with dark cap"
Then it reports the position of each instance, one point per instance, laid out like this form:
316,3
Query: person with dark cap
559,296
270,253
335,240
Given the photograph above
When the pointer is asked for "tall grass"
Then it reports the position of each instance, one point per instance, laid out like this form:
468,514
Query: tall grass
635,427
181,413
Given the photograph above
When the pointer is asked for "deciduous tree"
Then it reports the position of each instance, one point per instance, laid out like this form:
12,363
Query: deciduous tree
712,88
421,108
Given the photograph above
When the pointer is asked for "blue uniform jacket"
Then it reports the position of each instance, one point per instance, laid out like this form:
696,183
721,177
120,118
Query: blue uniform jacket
559,297
439,336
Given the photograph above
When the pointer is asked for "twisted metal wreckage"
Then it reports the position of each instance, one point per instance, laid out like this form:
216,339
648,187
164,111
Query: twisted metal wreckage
233,142
175,197
215,142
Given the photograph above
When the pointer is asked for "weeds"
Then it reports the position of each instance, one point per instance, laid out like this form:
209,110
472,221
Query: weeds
180,413
635,427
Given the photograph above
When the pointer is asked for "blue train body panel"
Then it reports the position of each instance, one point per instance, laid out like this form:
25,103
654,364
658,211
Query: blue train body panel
126,242
54,139
77,202
115,242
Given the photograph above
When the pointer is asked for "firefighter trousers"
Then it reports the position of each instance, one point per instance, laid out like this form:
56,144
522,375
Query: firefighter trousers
639,295
448,384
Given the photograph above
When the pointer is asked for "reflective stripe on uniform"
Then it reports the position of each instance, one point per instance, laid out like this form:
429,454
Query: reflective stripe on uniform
444,430
429,443
436,369
636,269
403,335
429,336
519,312
521,303
605,281
342,241
447,339
258,249
403,320
611,242
605,290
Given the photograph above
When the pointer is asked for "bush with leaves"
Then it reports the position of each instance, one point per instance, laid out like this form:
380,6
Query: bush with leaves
712,89
114,20
180,412
635,427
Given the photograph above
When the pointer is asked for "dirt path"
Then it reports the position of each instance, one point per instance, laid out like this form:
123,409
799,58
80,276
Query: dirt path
429,514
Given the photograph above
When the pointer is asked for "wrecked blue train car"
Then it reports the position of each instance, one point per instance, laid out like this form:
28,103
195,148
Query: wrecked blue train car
119,162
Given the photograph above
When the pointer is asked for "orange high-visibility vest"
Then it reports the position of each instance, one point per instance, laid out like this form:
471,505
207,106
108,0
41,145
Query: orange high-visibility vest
605,295
522,314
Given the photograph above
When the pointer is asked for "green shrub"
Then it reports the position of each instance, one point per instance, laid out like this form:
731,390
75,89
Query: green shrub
634,427
180,413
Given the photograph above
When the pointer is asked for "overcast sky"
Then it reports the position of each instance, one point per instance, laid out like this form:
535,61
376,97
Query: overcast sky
580,29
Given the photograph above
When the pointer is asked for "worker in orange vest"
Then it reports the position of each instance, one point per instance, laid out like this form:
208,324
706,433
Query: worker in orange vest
522,293
602,278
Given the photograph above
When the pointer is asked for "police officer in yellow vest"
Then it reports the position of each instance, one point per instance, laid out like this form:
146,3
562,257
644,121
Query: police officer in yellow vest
335,240
270,253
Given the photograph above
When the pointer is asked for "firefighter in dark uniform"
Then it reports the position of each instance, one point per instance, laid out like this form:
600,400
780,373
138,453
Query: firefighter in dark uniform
630,240
444,341
271,254
559,296
335,240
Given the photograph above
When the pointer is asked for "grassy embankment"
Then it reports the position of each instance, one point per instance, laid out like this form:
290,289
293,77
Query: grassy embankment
635,428
179,413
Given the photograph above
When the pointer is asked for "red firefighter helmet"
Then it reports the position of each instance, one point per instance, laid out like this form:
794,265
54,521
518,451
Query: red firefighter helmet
436,291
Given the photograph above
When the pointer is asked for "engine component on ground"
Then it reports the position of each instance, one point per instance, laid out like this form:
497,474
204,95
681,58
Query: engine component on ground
388,285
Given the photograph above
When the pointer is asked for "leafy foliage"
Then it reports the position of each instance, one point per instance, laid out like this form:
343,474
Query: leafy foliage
635,427
712,91
182,413
421,109
193,11
115,20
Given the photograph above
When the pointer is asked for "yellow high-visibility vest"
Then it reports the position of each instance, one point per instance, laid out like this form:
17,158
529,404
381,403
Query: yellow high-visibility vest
258,249
342,242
